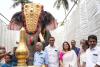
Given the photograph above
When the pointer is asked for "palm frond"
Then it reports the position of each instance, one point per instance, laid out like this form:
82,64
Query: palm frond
24,1
62,23
65,4
72,0
57,4
14,0
15,4
27,1
75,1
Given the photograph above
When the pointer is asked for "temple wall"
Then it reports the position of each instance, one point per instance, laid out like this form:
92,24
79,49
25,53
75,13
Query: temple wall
83,20
8,38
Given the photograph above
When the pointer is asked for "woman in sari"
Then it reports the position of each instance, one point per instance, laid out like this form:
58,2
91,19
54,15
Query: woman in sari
68,58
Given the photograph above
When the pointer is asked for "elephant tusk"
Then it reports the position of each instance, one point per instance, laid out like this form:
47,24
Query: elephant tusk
41,37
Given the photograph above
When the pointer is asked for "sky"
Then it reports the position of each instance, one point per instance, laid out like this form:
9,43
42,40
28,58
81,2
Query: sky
8,11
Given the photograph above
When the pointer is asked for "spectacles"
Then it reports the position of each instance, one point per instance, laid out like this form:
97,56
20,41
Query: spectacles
51,40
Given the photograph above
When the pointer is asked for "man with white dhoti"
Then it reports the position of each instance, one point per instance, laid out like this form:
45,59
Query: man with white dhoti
53,53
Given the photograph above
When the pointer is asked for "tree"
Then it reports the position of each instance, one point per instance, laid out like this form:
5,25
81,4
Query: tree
58,4
22,2
65,4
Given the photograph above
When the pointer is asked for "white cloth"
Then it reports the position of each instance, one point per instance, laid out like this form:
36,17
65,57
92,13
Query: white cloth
93,57
70,59
53,56
82,58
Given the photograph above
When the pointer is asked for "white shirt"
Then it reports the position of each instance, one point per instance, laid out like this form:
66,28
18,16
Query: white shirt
92,57
82,58
53,56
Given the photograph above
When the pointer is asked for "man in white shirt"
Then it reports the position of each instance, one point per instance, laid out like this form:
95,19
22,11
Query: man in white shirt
92,53
53,53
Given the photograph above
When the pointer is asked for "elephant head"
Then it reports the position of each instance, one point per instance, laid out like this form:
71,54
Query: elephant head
45,22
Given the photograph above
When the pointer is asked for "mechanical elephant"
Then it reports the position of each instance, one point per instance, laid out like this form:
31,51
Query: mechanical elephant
42,24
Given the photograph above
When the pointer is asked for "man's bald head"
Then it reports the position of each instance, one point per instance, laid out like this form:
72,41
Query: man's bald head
38,46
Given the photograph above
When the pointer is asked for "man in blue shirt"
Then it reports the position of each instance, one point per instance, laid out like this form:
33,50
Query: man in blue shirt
8,62
40,57
76,49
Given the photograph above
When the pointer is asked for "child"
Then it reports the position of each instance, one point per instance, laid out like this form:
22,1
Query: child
8,62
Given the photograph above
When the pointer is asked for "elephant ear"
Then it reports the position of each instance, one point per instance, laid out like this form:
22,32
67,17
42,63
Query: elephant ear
53,25
16,21
48,21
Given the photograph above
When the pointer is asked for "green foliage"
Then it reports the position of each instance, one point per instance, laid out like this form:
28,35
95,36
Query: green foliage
62,23
17,2
58,4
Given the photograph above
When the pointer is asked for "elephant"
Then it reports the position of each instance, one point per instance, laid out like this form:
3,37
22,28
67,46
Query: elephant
46,23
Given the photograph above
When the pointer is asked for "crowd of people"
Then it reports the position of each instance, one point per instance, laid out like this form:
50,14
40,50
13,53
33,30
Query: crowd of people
88,55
